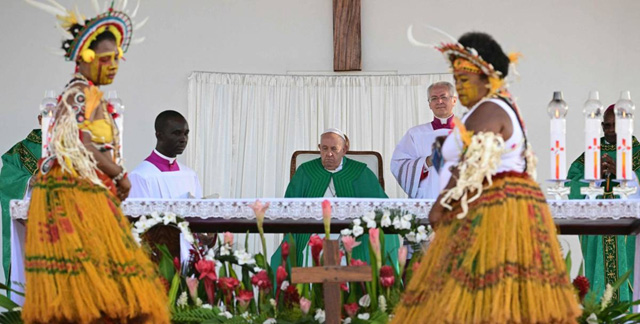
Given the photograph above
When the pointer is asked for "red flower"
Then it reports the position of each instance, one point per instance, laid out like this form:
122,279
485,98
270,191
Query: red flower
165,283
351,309
207,269
357,263
291,296
244,297
315,242
176,264
228,284
582,284
344,287
285,252
386,276
261,279
281,275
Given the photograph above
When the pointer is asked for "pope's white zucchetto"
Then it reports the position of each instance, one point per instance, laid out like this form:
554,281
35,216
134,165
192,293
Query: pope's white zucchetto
334,131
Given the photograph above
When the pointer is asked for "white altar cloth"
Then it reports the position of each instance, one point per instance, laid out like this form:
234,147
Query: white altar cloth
578,213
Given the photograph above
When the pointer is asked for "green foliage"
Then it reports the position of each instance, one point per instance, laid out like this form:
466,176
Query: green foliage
12,317
165,267
196,315
7,303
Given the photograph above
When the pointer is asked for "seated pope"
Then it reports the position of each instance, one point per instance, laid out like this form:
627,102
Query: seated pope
333,175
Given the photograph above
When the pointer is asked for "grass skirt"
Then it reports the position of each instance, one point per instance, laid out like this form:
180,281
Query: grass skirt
500,264
82,264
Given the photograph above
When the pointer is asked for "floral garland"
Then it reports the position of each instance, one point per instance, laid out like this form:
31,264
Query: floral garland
145,223
391,221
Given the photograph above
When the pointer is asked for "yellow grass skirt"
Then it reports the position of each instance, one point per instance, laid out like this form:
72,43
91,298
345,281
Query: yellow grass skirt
500,264
81,262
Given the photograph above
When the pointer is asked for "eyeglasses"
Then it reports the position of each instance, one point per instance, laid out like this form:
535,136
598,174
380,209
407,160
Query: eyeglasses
436,99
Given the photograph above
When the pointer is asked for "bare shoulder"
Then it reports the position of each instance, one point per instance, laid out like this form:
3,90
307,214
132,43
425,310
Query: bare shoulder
489,117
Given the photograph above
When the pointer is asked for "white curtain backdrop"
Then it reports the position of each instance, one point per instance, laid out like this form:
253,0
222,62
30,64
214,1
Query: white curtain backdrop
244,128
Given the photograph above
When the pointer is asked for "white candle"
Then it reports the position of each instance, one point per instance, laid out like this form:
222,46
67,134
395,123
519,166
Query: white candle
558,152
592,149
624,152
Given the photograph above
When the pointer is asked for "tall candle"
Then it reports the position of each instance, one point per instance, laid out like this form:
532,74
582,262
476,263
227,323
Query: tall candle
47,108
592,132
557,110
624,110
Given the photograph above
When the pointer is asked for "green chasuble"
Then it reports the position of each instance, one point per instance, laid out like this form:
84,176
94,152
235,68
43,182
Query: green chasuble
355,180
610,256
18,165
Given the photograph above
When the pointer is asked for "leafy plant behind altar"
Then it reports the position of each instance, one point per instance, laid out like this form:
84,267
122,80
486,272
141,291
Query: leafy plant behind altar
209,289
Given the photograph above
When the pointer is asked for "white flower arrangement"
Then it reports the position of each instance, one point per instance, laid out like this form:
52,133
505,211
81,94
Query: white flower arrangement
144,223
320,316
394,221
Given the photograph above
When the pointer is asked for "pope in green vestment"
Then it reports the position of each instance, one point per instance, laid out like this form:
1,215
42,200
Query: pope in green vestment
354,180
18,165
606,257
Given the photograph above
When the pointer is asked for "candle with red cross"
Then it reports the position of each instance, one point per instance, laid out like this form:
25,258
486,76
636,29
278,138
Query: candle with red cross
557,110
592,132
624,110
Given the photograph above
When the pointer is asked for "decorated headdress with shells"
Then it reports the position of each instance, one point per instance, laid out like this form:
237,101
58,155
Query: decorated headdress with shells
79,32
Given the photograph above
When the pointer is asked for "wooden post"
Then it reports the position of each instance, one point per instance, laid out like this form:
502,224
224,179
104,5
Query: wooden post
347,51
331,275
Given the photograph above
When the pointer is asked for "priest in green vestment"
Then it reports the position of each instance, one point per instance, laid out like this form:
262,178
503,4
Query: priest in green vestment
606,257
19,164
334,175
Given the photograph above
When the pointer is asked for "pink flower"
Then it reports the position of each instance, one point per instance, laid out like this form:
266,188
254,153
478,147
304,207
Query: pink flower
357,263
402,257
305,304
351,309
387,277
284,251
228,238
281,275
207,269
349,242
228,284
192,285
374,240
315,242
244,297
259,209
261,280
326,217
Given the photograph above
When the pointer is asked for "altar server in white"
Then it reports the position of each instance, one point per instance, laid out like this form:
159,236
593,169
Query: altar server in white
412,163
160,175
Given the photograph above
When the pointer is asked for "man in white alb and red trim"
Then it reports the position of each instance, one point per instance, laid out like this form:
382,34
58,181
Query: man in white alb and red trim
411,163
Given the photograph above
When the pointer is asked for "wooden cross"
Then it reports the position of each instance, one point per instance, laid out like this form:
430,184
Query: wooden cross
330,276
347,51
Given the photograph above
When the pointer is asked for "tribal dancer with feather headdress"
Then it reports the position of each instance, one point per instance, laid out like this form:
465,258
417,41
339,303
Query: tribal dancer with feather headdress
82,264
495,257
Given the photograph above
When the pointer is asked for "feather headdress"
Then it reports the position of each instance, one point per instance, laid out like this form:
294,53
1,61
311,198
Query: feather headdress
79,32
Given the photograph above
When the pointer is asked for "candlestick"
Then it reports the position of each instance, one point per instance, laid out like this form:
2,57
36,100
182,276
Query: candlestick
592,132
624,110
47,109
557,110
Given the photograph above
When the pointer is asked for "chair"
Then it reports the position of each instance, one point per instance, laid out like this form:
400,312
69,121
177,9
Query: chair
372,159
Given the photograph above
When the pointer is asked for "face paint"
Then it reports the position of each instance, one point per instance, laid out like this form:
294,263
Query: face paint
471,88
103,68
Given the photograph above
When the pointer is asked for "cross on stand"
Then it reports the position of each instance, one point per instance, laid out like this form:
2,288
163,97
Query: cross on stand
330,276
